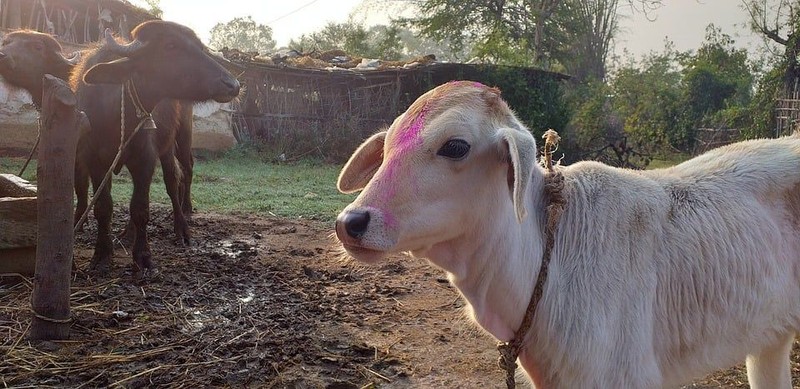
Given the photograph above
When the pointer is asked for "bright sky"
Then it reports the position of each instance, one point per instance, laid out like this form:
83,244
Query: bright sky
288,19
682,21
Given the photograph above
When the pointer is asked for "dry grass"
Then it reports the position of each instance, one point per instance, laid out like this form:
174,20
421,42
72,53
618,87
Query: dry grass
24,361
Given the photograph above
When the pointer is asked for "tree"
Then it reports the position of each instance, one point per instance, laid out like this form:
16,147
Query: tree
348,36
647,100
495,28
586,30
543,33
414,45
718,80
779,23
155,8
242,33
376,42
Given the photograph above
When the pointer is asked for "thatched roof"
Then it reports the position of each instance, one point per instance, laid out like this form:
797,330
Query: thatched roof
72,21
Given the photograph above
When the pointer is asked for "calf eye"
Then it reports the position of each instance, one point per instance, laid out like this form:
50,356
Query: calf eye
454,149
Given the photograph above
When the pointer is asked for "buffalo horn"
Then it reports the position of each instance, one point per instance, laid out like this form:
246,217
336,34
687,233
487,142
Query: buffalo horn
74,59
127,50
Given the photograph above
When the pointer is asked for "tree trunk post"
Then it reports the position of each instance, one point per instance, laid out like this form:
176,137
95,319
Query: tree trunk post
55,172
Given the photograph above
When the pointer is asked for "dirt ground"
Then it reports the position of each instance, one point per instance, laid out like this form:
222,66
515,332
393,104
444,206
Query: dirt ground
258,302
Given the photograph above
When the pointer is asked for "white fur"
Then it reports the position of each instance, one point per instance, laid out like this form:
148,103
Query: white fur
656,278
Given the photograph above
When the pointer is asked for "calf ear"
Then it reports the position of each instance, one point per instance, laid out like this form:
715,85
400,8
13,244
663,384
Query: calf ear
521,149
114,72
362,165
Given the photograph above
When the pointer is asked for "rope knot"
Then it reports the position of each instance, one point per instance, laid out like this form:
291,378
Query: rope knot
508,358
551,139
553,180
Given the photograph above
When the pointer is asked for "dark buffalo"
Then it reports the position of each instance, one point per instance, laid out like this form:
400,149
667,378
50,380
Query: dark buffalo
164,61
26,56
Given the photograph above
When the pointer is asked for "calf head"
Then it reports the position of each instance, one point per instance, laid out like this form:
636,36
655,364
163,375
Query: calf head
457,160
26,56
166,60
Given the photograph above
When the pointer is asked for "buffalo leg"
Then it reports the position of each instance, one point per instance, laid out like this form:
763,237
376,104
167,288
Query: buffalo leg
81,192
103,248
173,181
141,175
183,151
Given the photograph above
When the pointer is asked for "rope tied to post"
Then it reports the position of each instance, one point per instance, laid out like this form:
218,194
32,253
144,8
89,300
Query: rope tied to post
50,319
554,198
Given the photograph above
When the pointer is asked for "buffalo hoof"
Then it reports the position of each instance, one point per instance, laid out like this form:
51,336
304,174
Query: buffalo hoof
100,264
143,261
183,238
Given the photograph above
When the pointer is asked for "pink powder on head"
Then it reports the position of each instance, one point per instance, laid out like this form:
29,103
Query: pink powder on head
407,139
409,136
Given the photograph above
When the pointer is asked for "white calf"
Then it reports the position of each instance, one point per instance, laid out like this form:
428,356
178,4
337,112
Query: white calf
656,277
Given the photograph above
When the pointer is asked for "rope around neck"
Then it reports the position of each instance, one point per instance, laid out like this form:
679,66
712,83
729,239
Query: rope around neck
133,94
553,189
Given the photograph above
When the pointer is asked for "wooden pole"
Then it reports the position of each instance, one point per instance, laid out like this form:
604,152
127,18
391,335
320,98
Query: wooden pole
56,175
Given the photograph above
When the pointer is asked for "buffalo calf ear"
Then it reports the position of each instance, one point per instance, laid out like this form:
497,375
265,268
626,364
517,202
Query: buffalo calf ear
114,72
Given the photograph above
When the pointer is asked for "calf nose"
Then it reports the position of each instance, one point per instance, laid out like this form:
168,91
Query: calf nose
232,84
355,223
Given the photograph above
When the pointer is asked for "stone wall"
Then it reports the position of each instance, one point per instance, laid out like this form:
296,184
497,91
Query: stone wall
213,129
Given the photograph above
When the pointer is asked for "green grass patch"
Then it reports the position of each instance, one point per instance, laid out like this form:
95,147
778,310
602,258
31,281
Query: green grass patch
240,182
664,161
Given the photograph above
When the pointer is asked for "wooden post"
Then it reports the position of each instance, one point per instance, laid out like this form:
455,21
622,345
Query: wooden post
56,175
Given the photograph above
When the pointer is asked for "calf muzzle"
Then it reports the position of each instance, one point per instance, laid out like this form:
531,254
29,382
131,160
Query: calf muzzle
352,225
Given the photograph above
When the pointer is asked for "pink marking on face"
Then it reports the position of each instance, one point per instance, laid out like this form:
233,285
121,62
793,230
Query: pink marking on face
409,137
389,219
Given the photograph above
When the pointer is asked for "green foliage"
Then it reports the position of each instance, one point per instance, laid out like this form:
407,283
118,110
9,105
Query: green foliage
385,42
646,99
535,97
376,42
574,35
778,22
497,49
415,45
760,113
461,22
665,98
717,82
592,118
244,34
